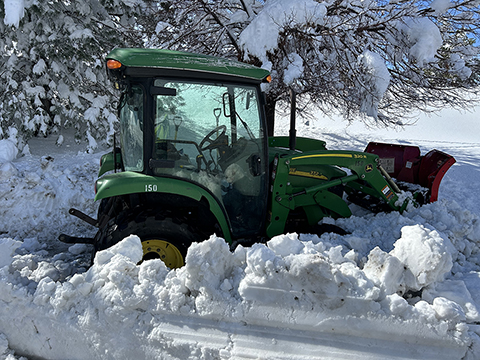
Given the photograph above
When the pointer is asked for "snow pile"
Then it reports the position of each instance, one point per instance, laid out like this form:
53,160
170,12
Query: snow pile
292,281
430,260
8,152
40,190
118,296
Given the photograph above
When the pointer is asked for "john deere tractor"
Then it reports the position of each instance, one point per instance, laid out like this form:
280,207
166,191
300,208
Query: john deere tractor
194,159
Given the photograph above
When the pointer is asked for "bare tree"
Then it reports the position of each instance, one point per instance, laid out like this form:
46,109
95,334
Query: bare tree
380,59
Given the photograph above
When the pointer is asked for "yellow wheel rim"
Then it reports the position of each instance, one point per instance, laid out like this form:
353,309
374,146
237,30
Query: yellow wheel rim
163,250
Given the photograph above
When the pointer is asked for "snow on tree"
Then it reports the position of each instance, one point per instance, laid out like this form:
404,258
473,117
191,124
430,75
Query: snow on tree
377,58
53,72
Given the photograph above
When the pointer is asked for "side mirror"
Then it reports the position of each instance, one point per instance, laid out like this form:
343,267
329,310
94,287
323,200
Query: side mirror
225,100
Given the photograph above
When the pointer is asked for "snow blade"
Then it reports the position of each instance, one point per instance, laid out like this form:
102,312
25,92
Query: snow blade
405,164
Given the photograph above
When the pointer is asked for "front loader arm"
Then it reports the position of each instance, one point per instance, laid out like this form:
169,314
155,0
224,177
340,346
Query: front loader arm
364,176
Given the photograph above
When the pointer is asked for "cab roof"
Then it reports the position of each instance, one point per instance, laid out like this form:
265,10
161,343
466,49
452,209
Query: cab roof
153,62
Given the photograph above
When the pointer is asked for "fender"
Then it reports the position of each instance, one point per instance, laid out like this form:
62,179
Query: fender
107,164
128,182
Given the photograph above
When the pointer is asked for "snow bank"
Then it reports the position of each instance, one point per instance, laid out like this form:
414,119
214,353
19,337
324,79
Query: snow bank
294,280
37,192
8,151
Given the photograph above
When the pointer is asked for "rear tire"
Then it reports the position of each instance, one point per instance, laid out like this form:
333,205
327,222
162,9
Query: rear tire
164,239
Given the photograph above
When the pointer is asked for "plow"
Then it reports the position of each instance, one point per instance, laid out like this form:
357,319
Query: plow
193,159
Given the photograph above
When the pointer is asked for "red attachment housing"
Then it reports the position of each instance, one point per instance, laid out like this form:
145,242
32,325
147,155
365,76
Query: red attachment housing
404,163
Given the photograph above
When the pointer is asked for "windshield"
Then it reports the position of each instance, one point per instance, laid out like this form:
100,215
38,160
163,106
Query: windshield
208,133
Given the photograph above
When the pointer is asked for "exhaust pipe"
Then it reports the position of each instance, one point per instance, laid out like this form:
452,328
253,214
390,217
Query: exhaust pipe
293,111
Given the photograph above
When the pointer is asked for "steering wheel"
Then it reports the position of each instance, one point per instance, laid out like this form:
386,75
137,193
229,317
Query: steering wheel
208,138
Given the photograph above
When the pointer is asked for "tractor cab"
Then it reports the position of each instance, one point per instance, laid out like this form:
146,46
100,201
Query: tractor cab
206,132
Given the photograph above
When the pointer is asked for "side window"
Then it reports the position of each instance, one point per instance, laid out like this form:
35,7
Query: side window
131,124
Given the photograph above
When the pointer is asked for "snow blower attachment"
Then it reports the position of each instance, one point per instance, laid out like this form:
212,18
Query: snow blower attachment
407,166
194,160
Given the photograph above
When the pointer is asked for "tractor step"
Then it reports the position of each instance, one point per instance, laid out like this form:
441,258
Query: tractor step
74,240
83,216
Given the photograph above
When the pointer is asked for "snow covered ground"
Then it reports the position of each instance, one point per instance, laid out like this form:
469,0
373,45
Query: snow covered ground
397,287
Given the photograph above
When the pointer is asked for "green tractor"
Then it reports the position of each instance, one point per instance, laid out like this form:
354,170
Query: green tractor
195,159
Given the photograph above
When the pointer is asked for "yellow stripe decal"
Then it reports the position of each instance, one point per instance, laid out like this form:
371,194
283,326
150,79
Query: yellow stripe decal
323,155
311,174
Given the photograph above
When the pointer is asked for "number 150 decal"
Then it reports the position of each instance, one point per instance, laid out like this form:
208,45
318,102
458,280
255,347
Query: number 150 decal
151,188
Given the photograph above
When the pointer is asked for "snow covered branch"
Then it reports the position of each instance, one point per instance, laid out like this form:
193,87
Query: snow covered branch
427,51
